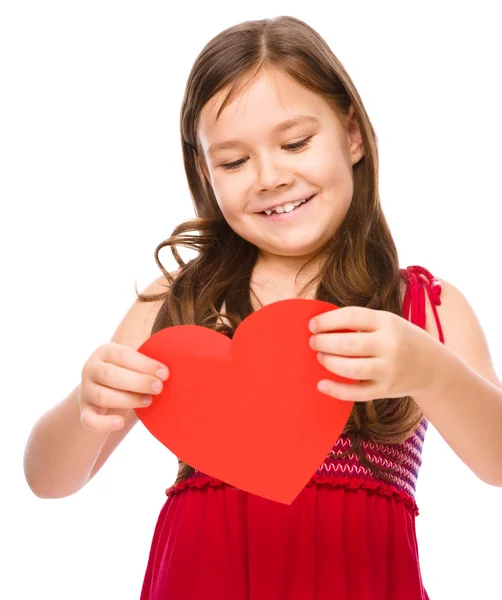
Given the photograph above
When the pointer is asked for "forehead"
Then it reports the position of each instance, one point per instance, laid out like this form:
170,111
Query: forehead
271,98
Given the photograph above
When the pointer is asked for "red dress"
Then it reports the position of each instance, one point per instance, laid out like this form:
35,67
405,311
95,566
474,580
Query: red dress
348,535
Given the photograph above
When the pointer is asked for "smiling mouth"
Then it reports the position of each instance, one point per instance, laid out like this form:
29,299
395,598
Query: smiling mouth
286,212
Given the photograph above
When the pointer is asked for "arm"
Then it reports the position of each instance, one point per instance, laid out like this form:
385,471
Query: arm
464,401
61,456
60,453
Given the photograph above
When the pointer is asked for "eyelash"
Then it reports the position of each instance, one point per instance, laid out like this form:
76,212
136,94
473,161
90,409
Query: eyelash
293,147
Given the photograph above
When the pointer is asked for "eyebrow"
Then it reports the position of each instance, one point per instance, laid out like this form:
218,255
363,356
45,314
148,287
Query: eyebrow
284,126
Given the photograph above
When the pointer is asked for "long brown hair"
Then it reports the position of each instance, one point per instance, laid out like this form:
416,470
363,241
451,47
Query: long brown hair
363,267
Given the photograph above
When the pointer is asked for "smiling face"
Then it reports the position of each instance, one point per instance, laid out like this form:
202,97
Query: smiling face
253,164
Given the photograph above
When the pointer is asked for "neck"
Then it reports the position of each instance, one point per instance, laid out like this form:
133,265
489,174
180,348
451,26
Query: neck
289,266
282,277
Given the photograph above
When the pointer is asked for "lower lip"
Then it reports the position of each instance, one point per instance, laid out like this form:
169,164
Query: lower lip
289,215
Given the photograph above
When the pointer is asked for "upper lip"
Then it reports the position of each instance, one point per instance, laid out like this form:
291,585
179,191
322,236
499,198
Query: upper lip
297,199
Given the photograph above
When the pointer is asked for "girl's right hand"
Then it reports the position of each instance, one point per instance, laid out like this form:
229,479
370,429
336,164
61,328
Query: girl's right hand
117,378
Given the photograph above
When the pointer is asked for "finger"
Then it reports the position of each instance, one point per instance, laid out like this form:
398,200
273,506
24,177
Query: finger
350,392
351,368
131,359
353,318
118,378
345,344
105,398
100,423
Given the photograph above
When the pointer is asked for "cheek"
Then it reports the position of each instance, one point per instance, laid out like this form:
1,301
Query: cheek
334,175
229,192
231,207
223,191
330,164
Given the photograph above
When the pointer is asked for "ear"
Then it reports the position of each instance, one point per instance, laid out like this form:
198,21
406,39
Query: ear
354,136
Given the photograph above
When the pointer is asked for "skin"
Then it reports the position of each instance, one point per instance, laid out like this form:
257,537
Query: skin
384,355
454,383
269,174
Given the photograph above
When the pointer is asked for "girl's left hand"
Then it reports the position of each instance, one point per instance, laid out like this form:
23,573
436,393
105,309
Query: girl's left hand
392,356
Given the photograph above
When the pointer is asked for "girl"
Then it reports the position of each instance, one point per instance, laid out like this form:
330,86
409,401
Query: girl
282,164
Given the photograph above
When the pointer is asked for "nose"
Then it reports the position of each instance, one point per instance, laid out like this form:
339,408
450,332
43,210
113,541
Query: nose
271,175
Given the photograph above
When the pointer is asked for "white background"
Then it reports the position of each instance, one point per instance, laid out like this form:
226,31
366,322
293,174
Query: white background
92,180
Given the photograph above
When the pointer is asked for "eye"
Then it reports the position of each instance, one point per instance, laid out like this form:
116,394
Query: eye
291,147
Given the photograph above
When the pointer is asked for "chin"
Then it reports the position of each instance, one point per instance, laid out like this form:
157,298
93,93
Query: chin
291,252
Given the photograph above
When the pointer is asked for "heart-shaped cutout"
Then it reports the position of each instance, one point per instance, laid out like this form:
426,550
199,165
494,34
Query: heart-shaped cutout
247,410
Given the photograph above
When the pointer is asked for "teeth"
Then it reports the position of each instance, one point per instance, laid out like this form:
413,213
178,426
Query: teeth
286,208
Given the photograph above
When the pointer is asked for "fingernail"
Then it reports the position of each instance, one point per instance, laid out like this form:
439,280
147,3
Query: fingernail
313,326
162,374
322,386
146,400
156,386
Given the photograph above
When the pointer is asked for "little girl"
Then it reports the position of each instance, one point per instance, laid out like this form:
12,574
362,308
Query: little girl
282,164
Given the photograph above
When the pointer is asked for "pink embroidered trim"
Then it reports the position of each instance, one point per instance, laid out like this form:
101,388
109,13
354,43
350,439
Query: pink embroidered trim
411,450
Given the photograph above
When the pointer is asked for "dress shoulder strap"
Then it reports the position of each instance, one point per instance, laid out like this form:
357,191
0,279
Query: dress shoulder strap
417,278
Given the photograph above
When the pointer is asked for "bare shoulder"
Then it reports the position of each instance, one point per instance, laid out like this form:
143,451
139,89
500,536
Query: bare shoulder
462,330
133,330
135,327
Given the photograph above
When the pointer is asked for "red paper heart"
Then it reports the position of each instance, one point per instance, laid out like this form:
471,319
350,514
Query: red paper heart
247,411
